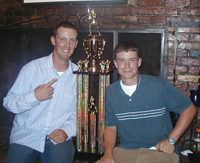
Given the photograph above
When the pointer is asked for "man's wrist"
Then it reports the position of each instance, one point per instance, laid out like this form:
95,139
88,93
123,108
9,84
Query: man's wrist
171,141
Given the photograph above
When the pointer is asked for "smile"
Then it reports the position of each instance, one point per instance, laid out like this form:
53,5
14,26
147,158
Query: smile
66,50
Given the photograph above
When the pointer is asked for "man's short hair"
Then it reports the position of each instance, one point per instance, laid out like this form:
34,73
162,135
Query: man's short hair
64,24
125,47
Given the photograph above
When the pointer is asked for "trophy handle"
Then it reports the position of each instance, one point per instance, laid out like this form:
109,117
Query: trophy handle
85,45
101,48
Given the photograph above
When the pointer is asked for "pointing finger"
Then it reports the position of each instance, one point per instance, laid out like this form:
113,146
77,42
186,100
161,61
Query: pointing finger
51,82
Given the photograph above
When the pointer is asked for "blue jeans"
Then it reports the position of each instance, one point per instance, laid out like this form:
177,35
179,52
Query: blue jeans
60,153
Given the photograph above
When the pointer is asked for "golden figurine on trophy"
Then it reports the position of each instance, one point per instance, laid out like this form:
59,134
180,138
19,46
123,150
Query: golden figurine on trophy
92,15
93,123
93,46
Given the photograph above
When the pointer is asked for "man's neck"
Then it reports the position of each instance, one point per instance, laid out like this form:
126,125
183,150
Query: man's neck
131,81
60,65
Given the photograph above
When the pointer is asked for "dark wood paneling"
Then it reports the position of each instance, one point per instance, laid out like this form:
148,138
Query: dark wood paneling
13,55
40,43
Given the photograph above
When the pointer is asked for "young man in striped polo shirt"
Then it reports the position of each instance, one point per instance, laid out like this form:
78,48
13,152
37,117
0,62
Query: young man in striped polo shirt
137,110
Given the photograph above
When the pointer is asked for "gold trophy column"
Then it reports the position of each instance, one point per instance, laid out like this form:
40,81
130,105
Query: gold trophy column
103,83
85,109
79,112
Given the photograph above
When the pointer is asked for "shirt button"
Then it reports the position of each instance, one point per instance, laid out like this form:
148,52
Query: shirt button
130,99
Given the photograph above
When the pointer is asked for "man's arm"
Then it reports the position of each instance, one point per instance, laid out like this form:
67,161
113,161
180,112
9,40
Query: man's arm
110,135
21,98
183,123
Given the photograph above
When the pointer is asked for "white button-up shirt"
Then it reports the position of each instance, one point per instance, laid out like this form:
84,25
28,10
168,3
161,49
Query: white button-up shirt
34,120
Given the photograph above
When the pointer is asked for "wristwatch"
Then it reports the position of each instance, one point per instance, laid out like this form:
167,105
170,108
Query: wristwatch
171,141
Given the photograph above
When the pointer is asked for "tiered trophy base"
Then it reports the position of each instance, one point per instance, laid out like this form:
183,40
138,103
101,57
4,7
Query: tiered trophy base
91,87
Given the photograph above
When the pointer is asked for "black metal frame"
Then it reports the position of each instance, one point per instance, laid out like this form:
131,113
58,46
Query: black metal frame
61,2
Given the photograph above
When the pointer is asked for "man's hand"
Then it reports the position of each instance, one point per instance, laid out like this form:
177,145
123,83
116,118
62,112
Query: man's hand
106,159
183,123
164,146
110,136
59,136
45,91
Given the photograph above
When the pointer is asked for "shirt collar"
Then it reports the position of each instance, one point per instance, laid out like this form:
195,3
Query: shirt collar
69,69
138,83
49,65
49,61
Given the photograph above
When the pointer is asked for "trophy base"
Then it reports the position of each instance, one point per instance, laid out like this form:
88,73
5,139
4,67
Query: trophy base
93,69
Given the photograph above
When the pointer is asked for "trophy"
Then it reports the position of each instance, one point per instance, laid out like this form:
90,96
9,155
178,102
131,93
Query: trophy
91,116
93,46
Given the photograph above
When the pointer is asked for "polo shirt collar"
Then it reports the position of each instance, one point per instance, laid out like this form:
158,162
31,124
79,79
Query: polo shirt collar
138,84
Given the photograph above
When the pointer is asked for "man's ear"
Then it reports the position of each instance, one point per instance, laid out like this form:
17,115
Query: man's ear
139,62
76,44
115,63
53,40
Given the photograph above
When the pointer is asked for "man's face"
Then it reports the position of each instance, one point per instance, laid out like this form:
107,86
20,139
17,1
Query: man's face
65,43
127,64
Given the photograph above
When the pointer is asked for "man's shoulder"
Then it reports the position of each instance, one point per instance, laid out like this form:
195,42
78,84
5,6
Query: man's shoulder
152,79
153,82
114,85
74,66
37,62
145,76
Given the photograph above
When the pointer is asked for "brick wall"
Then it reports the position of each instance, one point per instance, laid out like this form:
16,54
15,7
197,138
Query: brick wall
183,42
